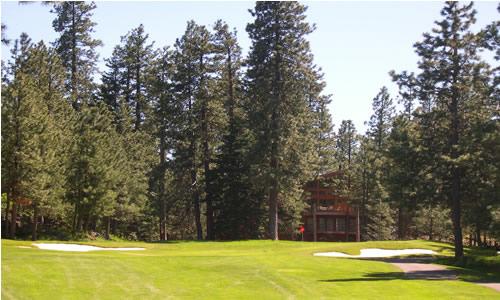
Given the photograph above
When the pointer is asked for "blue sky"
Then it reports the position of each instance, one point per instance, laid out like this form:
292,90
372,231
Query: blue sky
355,43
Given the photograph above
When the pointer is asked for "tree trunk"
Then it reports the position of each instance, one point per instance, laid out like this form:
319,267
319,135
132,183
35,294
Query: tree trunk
195,193
431,229
358,228
273,212
6,219
138,107
162,188
13,221
197,211
208,193
455,172
113,226
34,227
273,194
400,222
206,156
108,227
74,91
162,219
194,184
275,137
273,190
86,223
75,217
79,227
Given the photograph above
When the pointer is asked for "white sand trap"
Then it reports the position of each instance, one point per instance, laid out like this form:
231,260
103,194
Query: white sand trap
80,248
377,253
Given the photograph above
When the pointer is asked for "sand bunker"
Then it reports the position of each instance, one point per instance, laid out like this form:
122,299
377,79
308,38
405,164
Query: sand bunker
378,253
80,248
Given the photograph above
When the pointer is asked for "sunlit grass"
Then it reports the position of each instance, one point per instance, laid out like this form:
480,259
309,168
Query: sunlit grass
220,270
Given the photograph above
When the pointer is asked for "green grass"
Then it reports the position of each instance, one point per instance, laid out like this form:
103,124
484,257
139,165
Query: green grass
220,270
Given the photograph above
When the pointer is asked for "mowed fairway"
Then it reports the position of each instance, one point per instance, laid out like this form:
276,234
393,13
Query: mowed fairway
220,270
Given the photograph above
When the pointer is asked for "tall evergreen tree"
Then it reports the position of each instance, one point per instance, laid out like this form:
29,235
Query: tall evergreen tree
380,121
137,54
166,110
193,55
282,80
111,90
324,139
96,166
77,48
378,215
13,114
34,120
237,212
450,72
345,145
400,182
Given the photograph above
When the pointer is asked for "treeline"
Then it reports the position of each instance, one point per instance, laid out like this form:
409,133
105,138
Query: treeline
432,169
197,141
188,141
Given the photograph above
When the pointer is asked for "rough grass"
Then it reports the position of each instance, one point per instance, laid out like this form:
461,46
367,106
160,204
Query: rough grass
216,270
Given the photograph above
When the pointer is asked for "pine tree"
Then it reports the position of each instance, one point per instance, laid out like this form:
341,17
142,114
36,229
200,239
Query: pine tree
450,72
237,213
192,80
166,110
380,121
138,157
13,115
34,117
324,136
95,169
378,216
401,159
111,89
77,48
137,54
282,82
345,145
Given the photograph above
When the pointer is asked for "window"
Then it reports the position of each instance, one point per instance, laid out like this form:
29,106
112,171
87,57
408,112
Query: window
330,225
322,225
326,224
340,224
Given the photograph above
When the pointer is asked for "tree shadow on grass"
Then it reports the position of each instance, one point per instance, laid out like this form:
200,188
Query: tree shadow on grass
166,242
384,276
473,270
377,276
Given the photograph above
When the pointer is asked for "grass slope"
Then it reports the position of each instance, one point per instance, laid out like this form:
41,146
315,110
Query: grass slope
216,270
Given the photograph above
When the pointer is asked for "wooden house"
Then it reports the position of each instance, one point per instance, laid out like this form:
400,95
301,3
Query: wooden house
329,216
